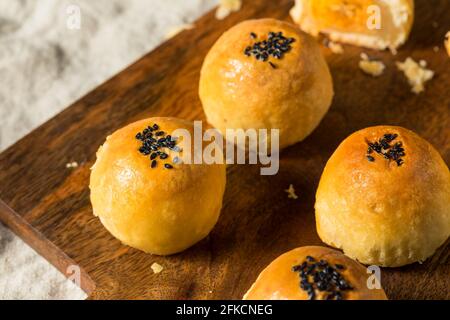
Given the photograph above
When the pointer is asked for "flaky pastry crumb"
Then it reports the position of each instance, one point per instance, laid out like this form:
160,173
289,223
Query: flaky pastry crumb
336,48
373,68
226,7
291,192
157,268
72,165
416,73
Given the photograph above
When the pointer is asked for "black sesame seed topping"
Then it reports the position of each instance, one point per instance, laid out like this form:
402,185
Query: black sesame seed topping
154,147
384,148
163,156
322,277
275,46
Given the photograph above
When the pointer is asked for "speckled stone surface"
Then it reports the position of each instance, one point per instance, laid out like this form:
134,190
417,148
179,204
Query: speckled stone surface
45,66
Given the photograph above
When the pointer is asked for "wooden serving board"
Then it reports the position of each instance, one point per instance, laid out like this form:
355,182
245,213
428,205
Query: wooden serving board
48,205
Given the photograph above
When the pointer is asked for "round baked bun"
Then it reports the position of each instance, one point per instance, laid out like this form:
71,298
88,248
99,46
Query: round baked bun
447,42
384,198
283,83
156,203
348,20
314,273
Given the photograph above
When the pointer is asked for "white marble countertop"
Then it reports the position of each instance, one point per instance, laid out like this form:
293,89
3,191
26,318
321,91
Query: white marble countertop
45,66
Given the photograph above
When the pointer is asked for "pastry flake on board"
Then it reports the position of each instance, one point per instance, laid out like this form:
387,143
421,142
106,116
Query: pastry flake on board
416,73
291,192
373,68
226,7
157,268
334,47
72,165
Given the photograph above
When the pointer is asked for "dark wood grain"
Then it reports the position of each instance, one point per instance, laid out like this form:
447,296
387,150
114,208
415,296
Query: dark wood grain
48,205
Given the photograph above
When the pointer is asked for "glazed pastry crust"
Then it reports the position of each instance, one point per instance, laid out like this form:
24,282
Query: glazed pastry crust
380,213
447,43
241,92
279,282
346,21
157,210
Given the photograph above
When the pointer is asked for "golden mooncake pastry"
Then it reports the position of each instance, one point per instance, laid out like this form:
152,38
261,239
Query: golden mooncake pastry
384,197
266,74
146,196
315,273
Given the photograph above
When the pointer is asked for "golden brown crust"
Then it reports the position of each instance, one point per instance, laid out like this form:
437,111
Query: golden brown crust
156,210
279,282
238,91
346,21
381,213
447,42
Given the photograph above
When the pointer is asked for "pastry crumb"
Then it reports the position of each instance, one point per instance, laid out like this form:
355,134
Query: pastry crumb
416,73
291,192
226,7
336,48
393,50
447,43
157,268
177,29
72,165
373,68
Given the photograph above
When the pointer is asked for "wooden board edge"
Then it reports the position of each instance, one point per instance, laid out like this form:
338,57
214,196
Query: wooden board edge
43,246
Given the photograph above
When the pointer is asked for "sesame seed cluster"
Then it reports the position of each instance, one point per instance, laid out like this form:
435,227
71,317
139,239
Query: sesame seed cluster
276,46
383,147
320,276
154,143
